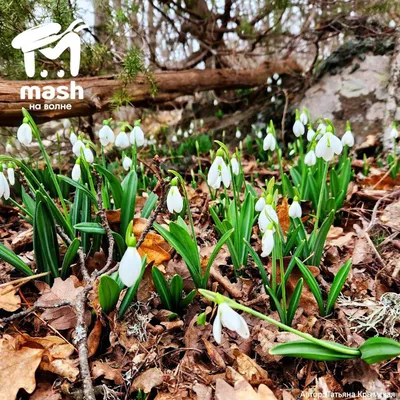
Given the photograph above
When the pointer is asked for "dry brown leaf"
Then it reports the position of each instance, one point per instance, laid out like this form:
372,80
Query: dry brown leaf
363,253
249,369
103,369
94,338
45,391
18,367
62,317
202,391
212,352
283,215
149,379
9,300
391,215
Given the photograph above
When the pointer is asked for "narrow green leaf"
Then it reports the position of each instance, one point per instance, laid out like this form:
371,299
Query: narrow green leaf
176,288
259,264
10,257
90,227
79,186
187,300
294,302
337,285
377,349
108,293
128,201
161,285
318,245
69,257
115,185
149,205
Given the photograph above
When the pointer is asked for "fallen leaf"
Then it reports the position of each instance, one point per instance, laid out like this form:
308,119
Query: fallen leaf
94,338
45,391
103,369
9,300
203,392
283,215
213,354
149,379
18,367
391,215
249,369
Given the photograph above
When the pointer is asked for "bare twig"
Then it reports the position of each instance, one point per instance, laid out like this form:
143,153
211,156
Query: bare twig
375,210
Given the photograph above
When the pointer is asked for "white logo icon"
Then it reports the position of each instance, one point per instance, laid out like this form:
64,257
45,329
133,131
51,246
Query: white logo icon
42,36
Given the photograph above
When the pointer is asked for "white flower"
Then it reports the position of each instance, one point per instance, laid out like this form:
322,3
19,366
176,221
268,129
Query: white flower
273,99
310,134
235,166
73,138
295,209
130,267
127,163
219,172
66,123
394,133
88,155
259,134
228,318
76,172
174,138
174,200
310,159
269,142
9,148
269,89
298,129
275,76
321,128
303,118
186,134
267,215
122,140
11,175
137,136
106,135
328,146
24,134
76,148
269,81
267,242
348,139
238,134
215,102
260,204
4,187
179,132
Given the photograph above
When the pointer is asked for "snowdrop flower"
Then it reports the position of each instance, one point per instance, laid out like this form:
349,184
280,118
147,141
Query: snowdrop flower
229,318
260,204
273,99
267,215
295,209
4,186
235,165
76,171
219,172
259,134
267,241
394,133
130,266
298,127
328,146
348,139
191,126
73,138
127,163
24,133
321,128
310,159
88,155
179,132
303,118
311,134
292,152
185,134
279,82
137,136
269,81
76,148
11,174
9,148
174,138
275,76
106,134
122,140
174,198
66,123
269,142
238,134
215,102
269,89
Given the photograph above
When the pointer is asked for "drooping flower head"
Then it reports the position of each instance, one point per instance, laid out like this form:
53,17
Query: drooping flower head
304,117
219,172
127,163
268,214
235,165
88,154
348,138
76,170
328,145
137,135
11,173
78,147
72,137
122,140
24,133
295,208
394,133
106,134
4,186
310,159
298,127
174,198
267,241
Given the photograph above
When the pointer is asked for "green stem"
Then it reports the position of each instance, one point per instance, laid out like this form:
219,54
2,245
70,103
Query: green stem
282,273
279,154
321,196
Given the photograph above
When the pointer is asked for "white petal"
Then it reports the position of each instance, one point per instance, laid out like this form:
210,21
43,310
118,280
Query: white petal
310,158
73,138
24,134
76,148
9,148
348,139
271,214
11,176
213,174
328,154
260,204
217,328
229,317
2,184
310,135
235,166
130,267
298,128
303,118
226,175
88,155
394,133
76,172
127,163
6,189
178,201
336,144
170,200
295,210
321,146
267,243
122,140
243,330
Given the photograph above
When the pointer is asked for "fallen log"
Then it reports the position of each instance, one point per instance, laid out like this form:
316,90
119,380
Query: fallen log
98,91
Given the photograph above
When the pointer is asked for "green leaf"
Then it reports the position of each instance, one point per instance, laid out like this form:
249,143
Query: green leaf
187,300
29,203
379,349
90,227
128,200
175,289
259,263
294,302
10,257
337,285
245,226
115,185
308,350
161,285
318,245
277,303
312,284
79,186
120,244
45,237
109,291
69,257
149,205
131,292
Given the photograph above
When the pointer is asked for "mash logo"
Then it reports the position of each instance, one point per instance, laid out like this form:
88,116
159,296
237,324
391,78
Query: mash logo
47,40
